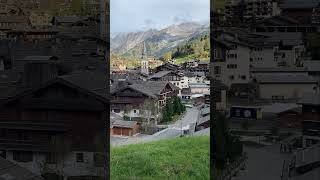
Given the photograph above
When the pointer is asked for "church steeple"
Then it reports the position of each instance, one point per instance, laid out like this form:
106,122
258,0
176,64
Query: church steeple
144,60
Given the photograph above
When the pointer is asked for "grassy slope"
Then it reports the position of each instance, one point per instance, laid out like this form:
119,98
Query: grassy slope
179,158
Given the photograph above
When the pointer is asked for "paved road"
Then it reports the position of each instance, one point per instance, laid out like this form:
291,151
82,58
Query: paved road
263,163
174,130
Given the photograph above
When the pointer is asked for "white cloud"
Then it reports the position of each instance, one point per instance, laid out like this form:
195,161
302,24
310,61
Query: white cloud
134,15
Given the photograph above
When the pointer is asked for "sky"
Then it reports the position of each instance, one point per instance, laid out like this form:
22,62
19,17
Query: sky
141,15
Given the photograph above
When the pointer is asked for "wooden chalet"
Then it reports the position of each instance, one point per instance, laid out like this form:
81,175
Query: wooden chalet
64,114
130,97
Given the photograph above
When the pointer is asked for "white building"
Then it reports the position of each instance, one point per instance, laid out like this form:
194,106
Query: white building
284,87
199,88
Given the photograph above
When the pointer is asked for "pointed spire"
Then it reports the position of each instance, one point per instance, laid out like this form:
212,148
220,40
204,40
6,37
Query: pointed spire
144,49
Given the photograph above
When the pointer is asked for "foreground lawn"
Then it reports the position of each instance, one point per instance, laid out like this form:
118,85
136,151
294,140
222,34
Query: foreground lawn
178,158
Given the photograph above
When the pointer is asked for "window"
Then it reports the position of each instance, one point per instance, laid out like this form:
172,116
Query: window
217,70
232,56
134,111
232,66
116,110
79,157
22,156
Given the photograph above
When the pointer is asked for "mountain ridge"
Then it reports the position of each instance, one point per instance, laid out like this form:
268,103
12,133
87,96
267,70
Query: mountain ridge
157,41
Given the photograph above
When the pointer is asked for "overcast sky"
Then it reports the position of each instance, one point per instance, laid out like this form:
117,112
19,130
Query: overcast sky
139,15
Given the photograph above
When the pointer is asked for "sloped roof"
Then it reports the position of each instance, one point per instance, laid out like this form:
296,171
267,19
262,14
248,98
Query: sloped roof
159,74
124,124
149,88
95,82
12,171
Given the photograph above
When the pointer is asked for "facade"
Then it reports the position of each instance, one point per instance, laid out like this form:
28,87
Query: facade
199,88
168,76
42,127
141,100
285,86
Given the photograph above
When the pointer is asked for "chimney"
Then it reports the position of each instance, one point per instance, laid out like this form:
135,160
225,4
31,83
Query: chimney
37,73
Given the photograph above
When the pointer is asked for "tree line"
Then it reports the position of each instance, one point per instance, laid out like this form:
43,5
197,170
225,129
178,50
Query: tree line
173,107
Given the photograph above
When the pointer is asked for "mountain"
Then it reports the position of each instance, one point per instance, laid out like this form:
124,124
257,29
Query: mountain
157,41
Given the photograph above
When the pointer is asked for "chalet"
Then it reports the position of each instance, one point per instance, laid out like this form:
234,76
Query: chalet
170,76
136,99
38,119
283,87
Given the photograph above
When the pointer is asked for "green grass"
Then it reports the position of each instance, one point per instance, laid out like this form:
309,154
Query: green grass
179,158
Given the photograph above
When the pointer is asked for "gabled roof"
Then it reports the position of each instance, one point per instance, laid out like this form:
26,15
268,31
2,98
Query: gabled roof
161,74
10,170
149,88
124,124
86,82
